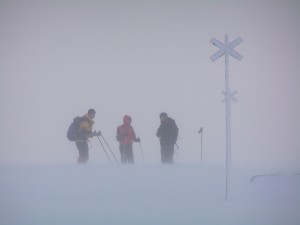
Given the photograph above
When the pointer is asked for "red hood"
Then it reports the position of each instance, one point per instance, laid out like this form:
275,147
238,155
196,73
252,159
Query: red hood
126,120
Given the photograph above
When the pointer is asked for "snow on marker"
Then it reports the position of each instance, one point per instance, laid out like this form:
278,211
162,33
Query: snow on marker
227,50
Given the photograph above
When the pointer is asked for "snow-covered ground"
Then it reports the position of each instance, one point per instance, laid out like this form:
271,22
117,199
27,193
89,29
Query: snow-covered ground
183,194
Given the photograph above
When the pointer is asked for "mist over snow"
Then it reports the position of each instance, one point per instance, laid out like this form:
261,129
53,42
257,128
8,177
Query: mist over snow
58,59
141,58
144,194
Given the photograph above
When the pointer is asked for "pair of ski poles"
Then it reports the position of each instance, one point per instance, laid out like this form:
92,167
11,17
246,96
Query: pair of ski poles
124,150
111,150
107,147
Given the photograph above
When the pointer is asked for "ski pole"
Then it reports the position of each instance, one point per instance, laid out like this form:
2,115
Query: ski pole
103,149
123,156
109,148
200,132
141,151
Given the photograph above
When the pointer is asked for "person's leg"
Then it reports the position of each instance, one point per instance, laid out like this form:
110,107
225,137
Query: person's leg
163,151
167,153
170,153
83,150
122,152
129,153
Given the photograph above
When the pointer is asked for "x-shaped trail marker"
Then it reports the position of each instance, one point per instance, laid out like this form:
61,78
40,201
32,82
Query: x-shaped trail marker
226,48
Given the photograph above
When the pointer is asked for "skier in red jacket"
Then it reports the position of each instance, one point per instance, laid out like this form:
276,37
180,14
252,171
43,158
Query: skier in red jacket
126,136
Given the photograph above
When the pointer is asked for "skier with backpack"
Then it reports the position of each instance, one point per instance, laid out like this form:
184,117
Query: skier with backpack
126,136
80,131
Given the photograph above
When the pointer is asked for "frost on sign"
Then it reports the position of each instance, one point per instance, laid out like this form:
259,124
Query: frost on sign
226,48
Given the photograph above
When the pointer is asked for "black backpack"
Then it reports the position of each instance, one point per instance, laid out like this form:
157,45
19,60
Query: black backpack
73,131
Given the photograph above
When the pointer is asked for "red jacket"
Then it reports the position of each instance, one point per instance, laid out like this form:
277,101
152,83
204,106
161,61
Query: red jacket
125,132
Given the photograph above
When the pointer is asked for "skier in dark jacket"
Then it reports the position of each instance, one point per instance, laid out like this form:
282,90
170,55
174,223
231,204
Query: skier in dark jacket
167,133
126,136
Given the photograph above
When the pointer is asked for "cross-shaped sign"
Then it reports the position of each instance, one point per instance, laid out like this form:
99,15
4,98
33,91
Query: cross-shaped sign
230,95
226,48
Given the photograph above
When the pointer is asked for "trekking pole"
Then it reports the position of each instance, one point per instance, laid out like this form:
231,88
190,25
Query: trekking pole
176,151
109,149
103,149
141,151
124,151
200,132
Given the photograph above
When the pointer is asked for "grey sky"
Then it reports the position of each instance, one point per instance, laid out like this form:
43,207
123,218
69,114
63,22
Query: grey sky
58,59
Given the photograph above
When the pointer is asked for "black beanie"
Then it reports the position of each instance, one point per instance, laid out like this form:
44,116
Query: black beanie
163,114
91,111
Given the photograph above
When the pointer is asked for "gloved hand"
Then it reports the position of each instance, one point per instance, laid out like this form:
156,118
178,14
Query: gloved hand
95,133
138,140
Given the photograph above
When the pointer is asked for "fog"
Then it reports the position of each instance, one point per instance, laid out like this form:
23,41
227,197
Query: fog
144,194
58,59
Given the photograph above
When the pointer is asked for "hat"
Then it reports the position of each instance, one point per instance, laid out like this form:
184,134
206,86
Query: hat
91,111
127,119
163,114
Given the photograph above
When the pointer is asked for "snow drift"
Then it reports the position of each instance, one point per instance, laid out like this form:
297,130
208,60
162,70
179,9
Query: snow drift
144,194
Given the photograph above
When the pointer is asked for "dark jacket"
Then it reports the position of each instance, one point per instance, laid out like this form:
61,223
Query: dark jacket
168,131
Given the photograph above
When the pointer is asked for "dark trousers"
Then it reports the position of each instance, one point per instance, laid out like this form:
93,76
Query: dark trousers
167,152
126,153
83,149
